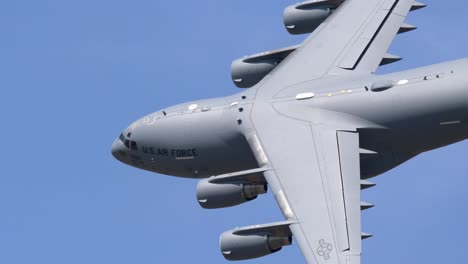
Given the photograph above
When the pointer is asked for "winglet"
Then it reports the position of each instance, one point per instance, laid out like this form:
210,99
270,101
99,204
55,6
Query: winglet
417,5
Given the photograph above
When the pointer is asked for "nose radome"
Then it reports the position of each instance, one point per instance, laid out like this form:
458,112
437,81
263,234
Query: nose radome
118,149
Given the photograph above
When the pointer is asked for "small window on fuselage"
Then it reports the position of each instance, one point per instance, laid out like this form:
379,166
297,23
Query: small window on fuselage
133,145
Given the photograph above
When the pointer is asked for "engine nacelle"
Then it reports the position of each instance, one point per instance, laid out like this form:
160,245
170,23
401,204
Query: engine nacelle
214,195
246,75
249,71
305,17
242,247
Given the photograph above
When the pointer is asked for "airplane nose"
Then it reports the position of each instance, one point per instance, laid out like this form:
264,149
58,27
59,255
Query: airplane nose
118,149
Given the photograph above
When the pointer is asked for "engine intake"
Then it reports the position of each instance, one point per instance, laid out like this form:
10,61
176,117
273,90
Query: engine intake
222,195
243,247
305,17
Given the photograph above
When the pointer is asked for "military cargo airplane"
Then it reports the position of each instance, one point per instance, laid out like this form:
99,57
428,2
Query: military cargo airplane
314,123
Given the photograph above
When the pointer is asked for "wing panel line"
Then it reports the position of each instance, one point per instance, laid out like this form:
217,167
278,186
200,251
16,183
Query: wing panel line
376,34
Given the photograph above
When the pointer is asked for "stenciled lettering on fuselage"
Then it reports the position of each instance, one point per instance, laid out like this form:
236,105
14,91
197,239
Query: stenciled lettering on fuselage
174,153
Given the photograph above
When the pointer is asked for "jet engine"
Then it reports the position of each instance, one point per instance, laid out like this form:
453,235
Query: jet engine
221,195
250,70
242,247
305,17
246,74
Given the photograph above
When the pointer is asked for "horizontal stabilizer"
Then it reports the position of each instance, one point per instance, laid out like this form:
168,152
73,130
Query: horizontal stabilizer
418,5
279,229
365,206
366,184
406,28
366,236
389,58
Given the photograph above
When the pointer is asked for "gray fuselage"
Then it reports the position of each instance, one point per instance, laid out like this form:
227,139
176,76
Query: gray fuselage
416,111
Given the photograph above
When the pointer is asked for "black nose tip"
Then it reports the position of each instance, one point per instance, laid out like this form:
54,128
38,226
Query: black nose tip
118,149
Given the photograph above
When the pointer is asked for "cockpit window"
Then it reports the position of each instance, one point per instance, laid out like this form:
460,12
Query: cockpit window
130,144
133,145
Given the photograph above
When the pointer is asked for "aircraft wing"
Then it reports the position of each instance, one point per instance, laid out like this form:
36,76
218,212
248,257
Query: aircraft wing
314,174
354,39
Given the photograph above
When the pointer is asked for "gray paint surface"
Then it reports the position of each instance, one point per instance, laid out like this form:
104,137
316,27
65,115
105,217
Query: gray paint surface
313,148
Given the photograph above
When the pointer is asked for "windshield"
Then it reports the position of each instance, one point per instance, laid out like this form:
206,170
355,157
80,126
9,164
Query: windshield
130,144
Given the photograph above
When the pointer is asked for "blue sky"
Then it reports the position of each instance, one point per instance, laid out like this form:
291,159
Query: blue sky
76,73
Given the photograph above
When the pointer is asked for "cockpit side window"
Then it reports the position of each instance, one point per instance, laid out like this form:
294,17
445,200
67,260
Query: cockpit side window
130,144
122,138
133,145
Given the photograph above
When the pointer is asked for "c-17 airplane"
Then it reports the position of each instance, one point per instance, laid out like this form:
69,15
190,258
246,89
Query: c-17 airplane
314,125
